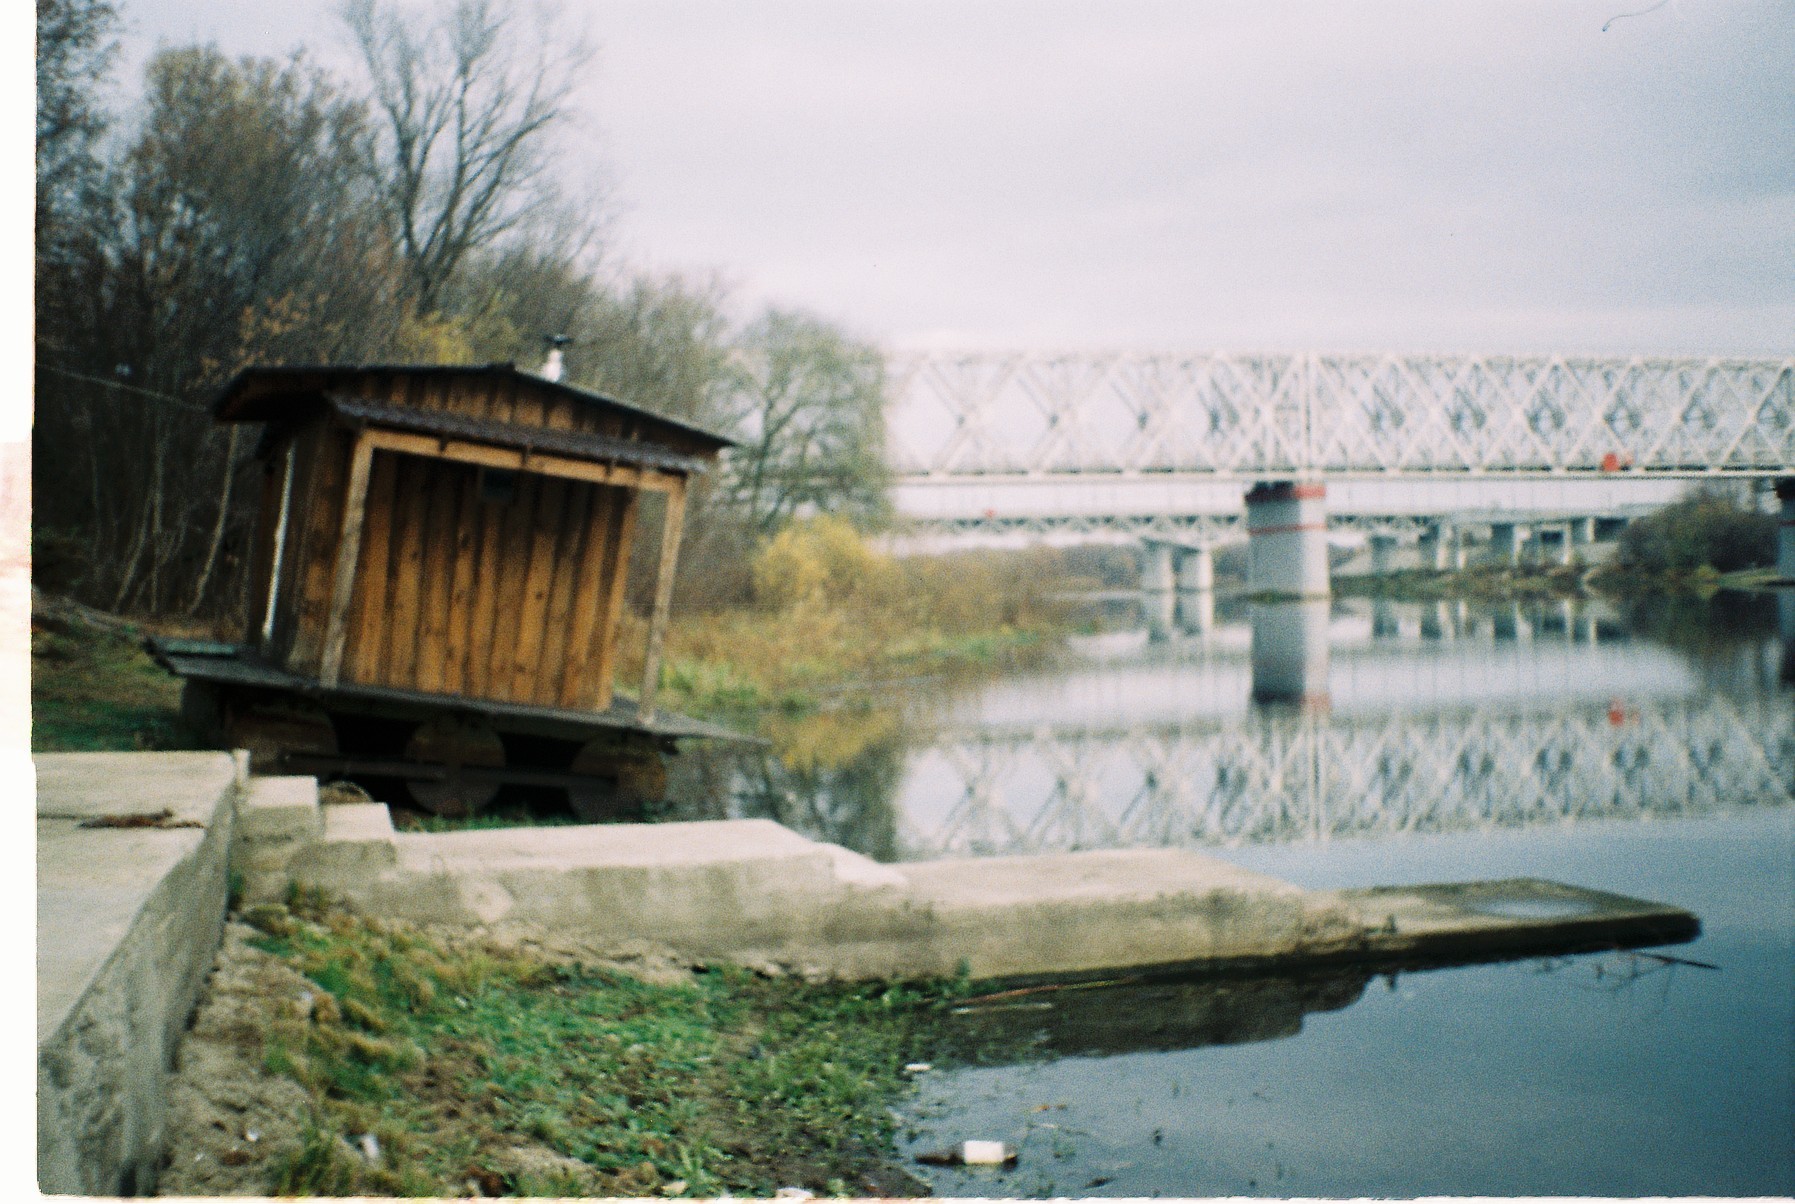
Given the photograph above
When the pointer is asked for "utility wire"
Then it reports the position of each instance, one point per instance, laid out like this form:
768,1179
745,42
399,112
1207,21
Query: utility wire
113,384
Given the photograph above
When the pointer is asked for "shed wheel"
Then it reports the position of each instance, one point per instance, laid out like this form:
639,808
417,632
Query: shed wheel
624,779
454,742
271,727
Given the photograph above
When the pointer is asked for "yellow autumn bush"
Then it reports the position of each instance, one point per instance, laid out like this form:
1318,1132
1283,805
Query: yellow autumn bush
820,560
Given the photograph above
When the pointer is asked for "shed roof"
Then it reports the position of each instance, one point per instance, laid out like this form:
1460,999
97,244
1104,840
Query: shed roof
577,444
265,393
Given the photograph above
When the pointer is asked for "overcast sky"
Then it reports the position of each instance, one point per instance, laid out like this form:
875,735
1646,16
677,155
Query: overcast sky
1459,176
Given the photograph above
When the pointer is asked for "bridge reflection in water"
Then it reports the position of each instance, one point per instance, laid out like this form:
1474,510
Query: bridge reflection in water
1431,718
1308,775
1497,718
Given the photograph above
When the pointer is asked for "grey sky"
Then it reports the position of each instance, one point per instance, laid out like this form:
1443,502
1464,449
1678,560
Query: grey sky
1498,176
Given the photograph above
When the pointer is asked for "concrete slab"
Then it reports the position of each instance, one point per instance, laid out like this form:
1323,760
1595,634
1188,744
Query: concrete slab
587,846
84,785
1091,912
280,808
92,883
1482,920
133,856
1107,874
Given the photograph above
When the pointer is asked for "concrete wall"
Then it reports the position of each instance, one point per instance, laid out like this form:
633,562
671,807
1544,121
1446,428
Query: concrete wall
129,921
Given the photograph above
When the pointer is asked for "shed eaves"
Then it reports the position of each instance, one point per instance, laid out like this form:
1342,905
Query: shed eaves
576,444
264,393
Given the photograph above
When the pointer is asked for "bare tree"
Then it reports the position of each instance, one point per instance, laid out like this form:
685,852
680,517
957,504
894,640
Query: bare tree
236,227
467,106
810,410
74,51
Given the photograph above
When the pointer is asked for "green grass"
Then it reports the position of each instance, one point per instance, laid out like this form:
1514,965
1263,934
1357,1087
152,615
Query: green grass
450,1057
96,690
740,665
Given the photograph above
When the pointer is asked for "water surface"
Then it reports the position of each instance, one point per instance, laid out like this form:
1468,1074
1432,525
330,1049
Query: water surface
1649,754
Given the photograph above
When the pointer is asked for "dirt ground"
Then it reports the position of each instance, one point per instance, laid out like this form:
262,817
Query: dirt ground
229,1119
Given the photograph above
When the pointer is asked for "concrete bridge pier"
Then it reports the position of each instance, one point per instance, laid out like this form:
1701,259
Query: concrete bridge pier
1785,544
1156,567
1383,553
1583,532
1506,540
1287,539
1564,552
1196,611
1442,548
1161,610
1195,570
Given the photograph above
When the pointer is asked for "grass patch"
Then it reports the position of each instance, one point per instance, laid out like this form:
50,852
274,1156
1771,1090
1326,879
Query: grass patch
94,689
473,1066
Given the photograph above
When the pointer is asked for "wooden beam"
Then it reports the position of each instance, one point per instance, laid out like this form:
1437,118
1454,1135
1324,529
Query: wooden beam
280,550
355,508
516,460
663,601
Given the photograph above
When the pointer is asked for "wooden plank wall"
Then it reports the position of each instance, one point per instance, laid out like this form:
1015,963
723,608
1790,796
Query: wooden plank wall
517,600
505,600
320,473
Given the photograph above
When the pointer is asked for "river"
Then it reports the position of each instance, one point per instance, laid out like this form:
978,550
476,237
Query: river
1648,751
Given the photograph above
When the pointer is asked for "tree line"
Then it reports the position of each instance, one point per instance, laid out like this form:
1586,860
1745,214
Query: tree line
256,211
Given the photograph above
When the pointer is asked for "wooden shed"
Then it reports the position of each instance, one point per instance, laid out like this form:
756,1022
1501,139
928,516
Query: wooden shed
458,532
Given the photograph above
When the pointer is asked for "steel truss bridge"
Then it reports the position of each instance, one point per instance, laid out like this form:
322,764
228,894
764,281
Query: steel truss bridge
1286,777
1122,444
1182,527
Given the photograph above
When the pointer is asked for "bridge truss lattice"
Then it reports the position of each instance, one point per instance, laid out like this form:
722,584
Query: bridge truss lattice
1252,416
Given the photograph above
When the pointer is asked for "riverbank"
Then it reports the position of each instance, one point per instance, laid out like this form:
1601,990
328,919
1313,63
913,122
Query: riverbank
831,614
337,1054
959,618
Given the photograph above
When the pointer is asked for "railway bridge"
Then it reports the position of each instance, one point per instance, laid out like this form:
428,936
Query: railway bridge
1194,450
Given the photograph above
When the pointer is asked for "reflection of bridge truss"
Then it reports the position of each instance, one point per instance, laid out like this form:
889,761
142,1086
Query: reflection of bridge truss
1248,416
1273,777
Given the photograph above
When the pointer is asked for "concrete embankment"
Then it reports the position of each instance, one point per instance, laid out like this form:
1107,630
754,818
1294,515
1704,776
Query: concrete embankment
753,892
132,875
135,852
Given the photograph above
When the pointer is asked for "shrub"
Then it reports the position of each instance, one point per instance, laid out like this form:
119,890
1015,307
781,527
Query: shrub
821,559
1704,530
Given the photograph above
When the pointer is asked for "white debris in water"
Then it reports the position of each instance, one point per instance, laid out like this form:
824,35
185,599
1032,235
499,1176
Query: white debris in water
983,1153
